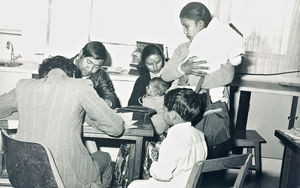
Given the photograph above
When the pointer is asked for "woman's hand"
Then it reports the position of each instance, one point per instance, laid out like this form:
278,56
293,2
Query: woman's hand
194,67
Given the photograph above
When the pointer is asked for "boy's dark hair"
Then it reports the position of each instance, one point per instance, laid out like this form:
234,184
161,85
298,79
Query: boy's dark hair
185,102
59,62
160,85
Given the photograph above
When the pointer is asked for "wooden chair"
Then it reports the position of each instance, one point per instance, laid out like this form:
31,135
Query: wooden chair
241,162
29,164
251,140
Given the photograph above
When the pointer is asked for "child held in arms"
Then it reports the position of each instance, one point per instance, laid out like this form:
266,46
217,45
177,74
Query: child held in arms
184,144
154,97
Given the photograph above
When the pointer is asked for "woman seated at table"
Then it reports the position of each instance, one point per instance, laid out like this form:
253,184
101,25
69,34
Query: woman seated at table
150,66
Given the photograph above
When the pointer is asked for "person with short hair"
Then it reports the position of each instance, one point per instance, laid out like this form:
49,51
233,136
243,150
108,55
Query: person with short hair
51,111
183,146
88,63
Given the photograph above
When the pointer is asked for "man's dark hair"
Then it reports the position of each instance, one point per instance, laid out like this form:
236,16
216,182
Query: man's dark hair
185,102
58,62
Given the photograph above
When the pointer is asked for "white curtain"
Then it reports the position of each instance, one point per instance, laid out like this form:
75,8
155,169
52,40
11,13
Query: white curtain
271,30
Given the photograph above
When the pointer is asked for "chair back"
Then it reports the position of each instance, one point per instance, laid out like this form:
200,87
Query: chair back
29,164
195,174
241,162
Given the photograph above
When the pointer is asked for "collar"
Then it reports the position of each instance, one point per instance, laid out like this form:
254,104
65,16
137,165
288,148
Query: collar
55,72
179,126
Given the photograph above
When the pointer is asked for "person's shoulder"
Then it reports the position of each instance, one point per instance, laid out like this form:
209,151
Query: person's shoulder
26,81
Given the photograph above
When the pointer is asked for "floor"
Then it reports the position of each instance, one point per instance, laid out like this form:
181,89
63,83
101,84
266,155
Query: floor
268,179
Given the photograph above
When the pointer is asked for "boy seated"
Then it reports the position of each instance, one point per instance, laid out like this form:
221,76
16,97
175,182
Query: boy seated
183,146
154,97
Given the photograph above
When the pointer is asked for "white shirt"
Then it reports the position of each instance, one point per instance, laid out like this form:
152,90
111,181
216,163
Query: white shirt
179,151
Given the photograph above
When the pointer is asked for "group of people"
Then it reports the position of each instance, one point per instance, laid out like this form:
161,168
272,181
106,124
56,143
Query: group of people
188,92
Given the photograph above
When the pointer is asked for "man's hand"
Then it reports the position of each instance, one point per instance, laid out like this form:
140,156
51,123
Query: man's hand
194,67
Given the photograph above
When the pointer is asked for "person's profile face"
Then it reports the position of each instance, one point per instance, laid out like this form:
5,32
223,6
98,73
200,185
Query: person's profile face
89,65
191,27
154,63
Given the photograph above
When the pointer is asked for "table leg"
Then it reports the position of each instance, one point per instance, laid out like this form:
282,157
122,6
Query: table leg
138,158
135,159
131,163
292,116
243,109
285,166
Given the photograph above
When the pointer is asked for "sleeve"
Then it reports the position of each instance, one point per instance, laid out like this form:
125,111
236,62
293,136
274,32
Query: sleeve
139,89
98,112
171,71
104,87
221,77
8,103
162,170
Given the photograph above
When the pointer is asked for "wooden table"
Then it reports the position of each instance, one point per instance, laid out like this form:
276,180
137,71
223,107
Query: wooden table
247,86
142,130
290,168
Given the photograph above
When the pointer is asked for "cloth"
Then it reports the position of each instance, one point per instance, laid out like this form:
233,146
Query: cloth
179,151
103,85
51,112
215,124
217,44
139,88
219,78
156,103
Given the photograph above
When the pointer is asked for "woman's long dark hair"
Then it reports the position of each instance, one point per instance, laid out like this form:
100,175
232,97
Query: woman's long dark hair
151,49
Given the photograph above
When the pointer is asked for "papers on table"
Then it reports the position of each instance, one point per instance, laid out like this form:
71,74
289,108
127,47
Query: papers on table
127,117
293,133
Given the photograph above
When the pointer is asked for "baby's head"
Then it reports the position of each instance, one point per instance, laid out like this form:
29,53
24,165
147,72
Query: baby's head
182,105
157,87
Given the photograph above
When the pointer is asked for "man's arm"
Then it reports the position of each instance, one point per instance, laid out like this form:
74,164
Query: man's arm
105,89
99,113
8,103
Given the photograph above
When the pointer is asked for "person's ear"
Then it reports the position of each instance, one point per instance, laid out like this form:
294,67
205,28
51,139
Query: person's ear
201,24
173,116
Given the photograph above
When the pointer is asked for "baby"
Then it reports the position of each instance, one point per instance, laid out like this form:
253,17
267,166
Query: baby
154,97
217,45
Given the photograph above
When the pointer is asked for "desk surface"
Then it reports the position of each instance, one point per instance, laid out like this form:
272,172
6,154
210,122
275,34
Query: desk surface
276,87
287,140
144,129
